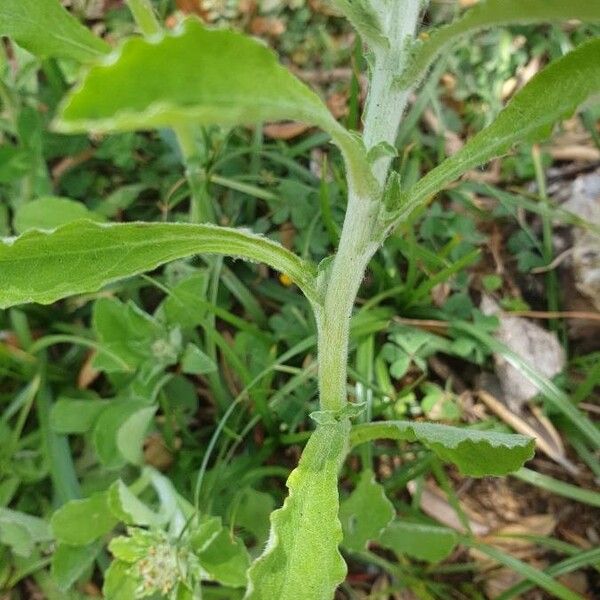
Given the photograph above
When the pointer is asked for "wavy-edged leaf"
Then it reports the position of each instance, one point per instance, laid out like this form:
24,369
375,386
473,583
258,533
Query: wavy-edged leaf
46,29
302,560
493,13
252,513
475,453
364,19
554,93
365,513
199,76
580,559
419,540
42,266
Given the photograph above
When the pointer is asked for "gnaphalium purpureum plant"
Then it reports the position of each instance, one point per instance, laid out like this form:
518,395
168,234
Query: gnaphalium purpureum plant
194,77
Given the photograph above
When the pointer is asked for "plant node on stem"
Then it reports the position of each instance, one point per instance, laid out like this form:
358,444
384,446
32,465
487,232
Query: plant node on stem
360,239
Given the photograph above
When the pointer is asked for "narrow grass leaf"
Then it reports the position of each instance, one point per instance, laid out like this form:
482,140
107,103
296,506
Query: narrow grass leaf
541,579
561,488
494,13
475,453
84,256
559,400
302,560
46,29
581,559
55,447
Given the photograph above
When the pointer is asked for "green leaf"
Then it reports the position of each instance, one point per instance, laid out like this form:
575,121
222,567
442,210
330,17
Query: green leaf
83,256
493,13
132,547
37,528
21,531
17,538
553,94
192,75
252,514
475,453
81,522
46,29
302,560
181,307
364,19
540,578
69,563
75,416
118,583
365,513
127,507
50,212
582,558
14,163
107,427
127,332
555,486
131,434
225,560
196,362
120,431
423,542
201,76
204,532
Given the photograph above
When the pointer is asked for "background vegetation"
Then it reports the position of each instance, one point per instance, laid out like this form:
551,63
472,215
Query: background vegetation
208,366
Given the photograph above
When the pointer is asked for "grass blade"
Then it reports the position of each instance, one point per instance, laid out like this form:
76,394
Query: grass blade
568,565
558,487
537,577
559,400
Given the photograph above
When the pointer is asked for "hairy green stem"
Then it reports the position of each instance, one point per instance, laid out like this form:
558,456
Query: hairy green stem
359,239
387,98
